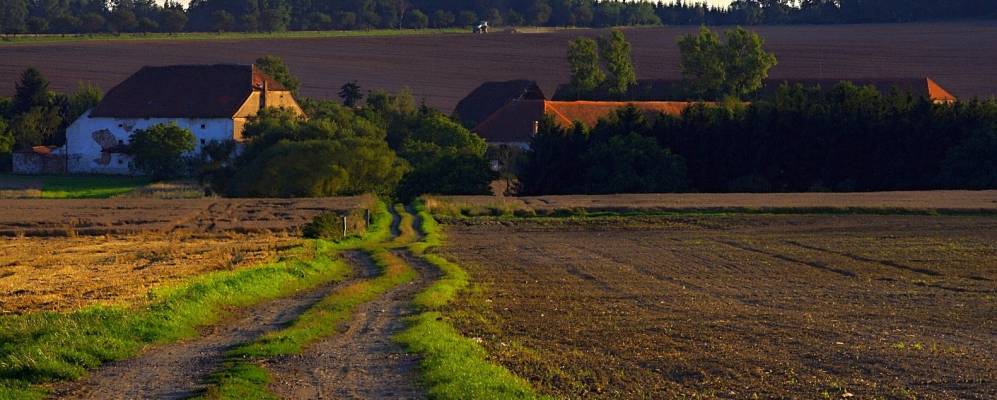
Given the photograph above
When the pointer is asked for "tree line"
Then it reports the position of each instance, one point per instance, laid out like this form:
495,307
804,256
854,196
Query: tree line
36,115
117,16
841,138
845,138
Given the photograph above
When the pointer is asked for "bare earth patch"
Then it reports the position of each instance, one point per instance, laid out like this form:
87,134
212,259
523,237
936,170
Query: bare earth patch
950,200
779,306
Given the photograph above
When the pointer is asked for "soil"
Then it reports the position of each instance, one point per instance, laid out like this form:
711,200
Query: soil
35,217
363,362
443,69
953,200
178,371
736,306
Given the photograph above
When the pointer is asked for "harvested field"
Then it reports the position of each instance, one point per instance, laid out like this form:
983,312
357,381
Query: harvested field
64,274
957,201
732,306
66,254
444,68
134,215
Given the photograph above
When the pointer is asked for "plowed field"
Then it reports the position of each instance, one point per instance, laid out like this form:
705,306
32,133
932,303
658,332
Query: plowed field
961,56
778,306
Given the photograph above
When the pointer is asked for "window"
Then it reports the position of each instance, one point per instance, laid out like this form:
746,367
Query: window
121,125
121,142
202,142
203,126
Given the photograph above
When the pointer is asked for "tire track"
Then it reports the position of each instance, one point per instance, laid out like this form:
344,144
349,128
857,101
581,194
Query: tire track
813,264
856,257
177,371
363,361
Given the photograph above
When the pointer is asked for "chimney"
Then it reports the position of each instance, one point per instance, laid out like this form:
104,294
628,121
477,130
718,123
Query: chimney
263,94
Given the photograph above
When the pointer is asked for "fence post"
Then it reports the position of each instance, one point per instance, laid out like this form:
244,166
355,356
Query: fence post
344,226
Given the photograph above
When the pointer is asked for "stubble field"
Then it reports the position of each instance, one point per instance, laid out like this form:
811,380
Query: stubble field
736,306
62,255
442,69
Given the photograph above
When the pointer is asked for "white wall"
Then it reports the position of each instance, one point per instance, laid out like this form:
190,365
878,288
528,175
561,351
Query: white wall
85,153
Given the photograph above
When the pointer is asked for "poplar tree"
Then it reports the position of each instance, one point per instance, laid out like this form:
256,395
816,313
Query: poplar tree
586,73
615,52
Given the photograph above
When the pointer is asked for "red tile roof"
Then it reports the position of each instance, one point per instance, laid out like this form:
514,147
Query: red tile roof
184,91
515,122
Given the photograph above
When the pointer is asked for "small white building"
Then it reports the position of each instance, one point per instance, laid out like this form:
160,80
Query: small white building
212,101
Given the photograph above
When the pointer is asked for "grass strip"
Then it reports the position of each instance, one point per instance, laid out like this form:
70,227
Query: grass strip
193,36
378,231
406,228
45,347
77,187
431,234
453,366
242,378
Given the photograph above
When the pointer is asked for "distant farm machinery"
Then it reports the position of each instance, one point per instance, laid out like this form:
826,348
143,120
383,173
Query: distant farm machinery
481,27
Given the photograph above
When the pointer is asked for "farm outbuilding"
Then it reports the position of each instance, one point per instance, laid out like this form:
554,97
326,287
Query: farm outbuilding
212,101
488,98
39,160
517,122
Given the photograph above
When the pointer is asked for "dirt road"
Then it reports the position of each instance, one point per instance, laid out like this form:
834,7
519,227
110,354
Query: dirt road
178,370
363,362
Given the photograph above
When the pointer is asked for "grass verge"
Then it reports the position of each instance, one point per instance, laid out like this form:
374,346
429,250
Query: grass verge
47,346
73,187
242,378
453,366
406,228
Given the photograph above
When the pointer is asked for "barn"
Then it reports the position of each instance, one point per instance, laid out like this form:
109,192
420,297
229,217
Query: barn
212,101
517,122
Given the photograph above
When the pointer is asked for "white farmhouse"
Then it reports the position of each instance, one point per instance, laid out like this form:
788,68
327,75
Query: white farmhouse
212,101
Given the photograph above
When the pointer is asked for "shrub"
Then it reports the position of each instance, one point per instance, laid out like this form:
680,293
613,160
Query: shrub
158,151
327,225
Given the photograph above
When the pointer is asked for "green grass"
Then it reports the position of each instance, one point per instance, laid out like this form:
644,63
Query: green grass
241,378
193,36
79,187
45,347
453,366
406,228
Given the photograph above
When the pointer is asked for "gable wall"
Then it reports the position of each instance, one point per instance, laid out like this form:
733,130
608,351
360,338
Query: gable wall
87,137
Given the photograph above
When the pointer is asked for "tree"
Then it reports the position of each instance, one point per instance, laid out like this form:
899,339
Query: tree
36,126
222,21
275,19
615,52
466,18
13,16
317,21
6,138
173,20
123,20
446,158
92,22
632,163
442,19
416,20
351,94
37,25
972,164
30,91
583,59
159,150
274,67
735,67
345,20
85,97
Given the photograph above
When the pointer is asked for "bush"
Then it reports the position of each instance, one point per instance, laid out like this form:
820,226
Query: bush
158,151
327,225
